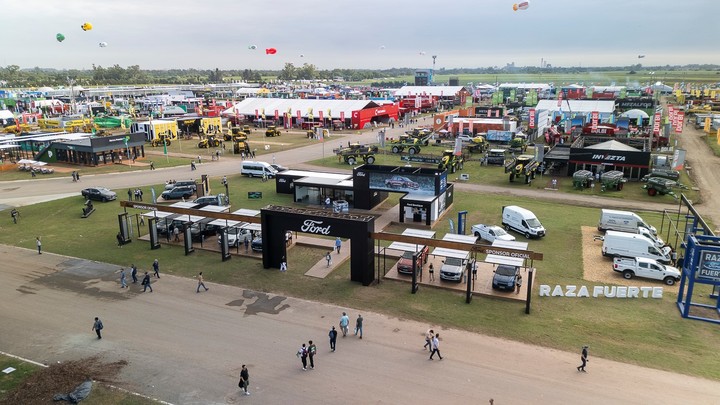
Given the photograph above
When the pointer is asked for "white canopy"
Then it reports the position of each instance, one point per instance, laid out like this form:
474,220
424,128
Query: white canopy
157,214
458,254
511,261
250,213
251,227
215,208
406,247
419,233
183,204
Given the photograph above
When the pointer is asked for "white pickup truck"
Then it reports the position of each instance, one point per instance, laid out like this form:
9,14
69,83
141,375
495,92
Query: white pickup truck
646,268
490,233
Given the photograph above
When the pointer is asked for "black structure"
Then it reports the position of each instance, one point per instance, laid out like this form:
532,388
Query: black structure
277,220
586,153
99,150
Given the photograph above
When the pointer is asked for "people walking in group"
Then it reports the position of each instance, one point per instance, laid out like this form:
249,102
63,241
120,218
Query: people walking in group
344,322
123,283
244,380
146,282
200,283
39,245
338,245
436,346
584,359
333,338
428,339
358,325
312,349
133,273
156,268
97,327
303,354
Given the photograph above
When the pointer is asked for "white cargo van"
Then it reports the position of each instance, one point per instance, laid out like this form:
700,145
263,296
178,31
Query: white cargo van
257,169
623,221
522,221
633,245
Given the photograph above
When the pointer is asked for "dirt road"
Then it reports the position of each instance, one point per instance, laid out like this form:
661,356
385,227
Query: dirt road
187,348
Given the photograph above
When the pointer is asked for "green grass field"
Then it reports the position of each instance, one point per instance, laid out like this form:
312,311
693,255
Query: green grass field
626,330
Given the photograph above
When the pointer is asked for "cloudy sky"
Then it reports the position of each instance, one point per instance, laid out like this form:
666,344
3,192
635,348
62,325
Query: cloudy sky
162,34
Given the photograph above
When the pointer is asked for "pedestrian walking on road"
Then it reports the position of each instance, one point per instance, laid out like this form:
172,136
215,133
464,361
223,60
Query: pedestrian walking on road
358,325
584,359
192,166
123,283
312,349
333,338
436,346
244,380
39,245
146,282
156,268
338,245
152,165
200,283
133,273
97,327
199,159
344,322
328,258
303,353
428,339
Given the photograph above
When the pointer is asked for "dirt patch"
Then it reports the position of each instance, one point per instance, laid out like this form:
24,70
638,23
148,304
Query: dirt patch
42,385
598,268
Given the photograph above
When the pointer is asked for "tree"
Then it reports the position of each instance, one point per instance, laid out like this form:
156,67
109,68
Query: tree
289,72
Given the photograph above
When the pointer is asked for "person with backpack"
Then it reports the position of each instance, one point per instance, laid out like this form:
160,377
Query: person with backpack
244,380
303,354
97,327
333,338
312,350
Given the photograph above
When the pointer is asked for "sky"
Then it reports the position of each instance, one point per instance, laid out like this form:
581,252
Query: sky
365,34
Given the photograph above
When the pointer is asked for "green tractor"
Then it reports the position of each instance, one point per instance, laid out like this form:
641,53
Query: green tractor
582,179
355,152
209,142
523,165
612,180
406,142
272,131
450,161
659,185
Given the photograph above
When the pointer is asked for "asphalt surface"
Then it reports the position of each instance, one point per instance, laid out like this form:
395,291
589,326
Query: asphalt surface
187,348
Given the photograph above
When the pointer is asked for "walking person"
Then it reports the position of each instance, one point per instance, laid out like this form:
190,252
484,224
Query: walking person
152,165
123,283
244,380
146,282
14,214
328,258
431,269
39,245
344,322
358,325
133,273
303,353
428,339
130,194
338,245
283,264
119,238
97,327
518,284
584,359
436,346
247,243
200,283
199,160
312,349
156,268
192,166
333,338
176,234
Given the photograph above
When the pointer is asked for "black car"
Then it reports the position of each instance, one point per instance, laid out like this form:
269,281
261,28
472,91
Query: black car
99,194
178,192
256,245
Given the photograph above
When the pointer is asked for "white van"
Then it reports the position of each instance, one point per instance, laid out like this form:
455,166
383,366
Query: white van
522,221
623,221
633,245
257,169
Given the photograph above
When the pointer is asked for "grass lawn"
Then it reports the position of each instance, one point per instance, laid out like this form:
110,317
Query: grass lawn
632,331
64,170
712,141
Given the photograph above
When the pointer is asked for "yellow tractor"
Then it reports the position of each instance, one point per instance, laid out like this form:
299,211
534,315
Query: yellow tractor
209,142
161,138
272,131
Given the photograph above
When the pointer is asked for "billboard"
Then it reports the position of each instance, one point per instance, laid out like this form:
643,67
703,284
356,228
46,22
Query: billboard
709,265
499,136
403,182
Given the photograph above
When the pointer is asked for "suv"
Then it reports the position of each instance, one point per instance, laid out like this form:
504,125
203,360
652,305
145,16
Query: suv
405,264
452,269
209,200
236,236
178,192
256,245
505,277
99,194
184,183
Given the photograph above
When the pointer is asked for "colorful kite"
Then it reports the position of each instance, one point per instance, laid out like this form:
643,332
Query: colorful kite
521,6
270,51
86,26
60,37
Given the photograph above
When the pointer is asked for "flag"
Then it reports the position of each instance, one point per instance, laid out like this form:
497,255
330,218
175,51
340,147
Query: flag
165,145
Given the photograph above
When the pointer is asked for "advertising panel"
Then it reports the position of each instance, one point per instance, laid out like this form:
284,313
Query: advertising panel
642,103
342,115
709,265
404,182
531,118
679,121
594,120
499,136
656,124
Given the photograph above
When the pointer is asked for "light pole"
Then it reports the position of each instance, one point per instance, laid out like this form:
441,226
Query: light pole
433,70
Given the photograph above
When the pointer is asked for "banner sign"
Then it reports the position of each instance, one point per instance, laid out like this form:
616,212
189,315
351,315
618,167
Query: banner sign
531,118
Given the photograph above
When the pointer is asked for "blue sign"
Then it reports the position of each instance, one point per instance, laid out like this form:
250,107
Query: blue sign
709,266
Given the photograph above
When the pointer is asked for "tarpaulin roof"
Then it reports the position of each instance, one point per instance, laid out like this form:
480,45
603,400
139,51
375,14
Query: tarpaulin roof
444,91
577,106
282,105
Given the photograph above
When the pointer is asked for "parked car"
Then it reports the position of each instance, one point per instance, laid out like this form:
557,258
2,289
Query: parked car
189,183
178,192
256,245
452,269
236,236
199,230
646,268
401,182
210,199
491,233
162,226
99,194
405,263
505,277
522,221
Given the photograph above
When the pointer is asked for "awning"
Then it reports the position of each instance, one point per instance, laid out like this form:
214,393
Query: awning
183,204
251,227
215,208
406,247
458,254
469,239
157,214
227,222
419,233
511,261
246,212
